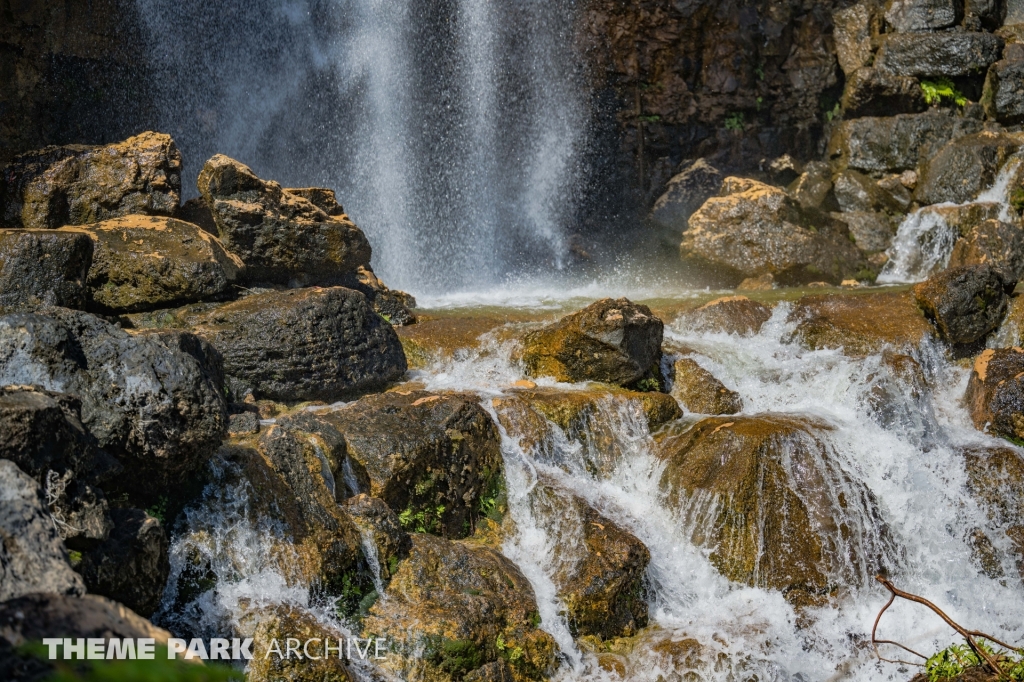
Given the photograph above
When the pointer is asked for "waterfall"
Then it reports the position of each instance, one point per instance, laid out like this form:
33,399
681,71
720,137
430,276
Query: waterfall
453,132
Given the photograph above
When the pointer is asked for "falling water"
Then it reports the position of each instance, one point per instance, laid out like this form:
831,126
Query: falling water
451,131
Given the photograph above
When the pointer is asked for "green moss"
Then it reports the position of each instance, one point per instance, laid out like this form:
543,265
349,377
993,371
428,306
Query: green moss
942,89
456,657
734,121
493,502
1017,199
159,510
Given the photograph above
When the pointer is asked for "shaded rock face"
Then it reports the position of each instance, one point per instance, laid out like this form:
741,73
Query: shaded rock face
463,605
765,495
41,267
79,184
382,527
284,621
132,564
391,304
32,556
965,303
1003,97
895,143
282,237
144,263
614,341
965,167
873,92
995,243
732,314
922,15
684,194
303,344
813,189
429,457
995,393
699,391
994,478
938,54
35,616
861,324
754,229
152,406
871,231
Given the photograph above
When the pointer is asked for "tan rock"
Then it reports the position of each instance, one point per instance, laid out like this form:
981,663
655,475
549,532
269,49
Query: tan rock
861,324
699,391
731,314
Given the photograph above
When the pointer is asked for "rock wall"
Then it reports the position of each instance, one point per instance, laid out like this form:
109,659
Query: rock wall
70,71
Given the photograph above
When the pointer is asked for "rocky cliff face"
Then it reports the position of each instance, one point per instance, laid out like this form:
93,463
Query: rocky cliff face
71,71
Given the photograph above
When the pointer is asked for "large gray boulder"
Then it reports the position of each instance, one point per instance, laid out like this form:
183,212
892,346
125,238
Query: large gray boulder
852,32
32,555
151,405
42,267
923,15
303,344
35,616
1003,97
965,167
895,143
684,194
80,184
281,236
931,55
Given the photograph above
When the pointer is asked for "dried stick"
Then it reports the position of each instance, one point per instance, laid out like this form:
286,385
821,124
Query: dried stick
968,635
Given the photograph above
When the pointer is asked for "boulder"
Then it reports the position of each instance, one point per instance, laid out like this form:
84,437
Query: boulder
244,424
852,31
613,341
762,495
391,304
964,218
321,197
987,14
380,529
871,231
932,55
923,15
967,302
152,406
430,457
898,398
699,391
132,564
684,194
965,167
32,617
730,315
752,229
855,191
282,237
79,184
42,267
860,324
995,243
1011,331
895,143
1003,96
302,344
32,556
813,189
283,621
453,607
995,393
995,477
873,92
147,262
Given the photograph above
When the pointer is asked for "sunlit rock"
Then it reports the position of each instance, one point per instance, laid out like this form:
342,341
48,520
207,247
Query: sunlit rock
965,167
732,315
937,54
273,626
453,607
860,324
79,184
895,143
699,391
995,393
993,242
769,499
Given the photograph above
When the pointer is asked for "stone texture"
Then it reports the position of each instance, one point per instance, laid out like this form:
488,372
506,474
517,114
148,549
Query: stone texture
383,528
994,478
684,194
925,55
856,191
732,315
699,391
923,15
282,237
41,267
965,167
965,303
145,262
995,243
614,341
79,184
1003,96
861,324
873,92
812,190
752,229
32,617
853,29
281,622
32,556
995,393
895,143
871,231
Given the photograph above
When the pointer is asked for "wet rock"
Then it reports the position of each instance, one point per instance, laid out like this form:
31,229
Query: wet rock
871,231
196,212
813,189
987,14
860,324
303,344
282,622
79,184
995,243
895,143
897,400
965,167
684,194
752,229
41,267
454,607
922,15
1003,97
857,192
32,556
146,262
497,671
321,197
994,478
32,617
699,391
853,29
763,282
731,314
963,219
613,341
873,92
927,55
132,564
152,406
430,457
965,303
995,393
782,171
391,304
763,495
1011,331
382,527
243,424
281,237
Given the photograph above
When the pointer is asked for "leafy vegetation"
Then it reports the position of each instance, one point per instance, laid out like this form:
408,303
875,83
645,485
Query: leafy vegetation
456,656
734,121
159,510
424,521
952,661
940,90
512,653
1017,199
159,669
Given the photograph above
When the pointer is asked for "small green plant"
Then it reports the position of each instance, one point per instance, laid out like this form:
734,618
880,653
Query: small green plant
652,118
952,661
1017,200
942,89
648,385
159,510
512,653
423,521
734,121
759,72
385,317
75,557
833,113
